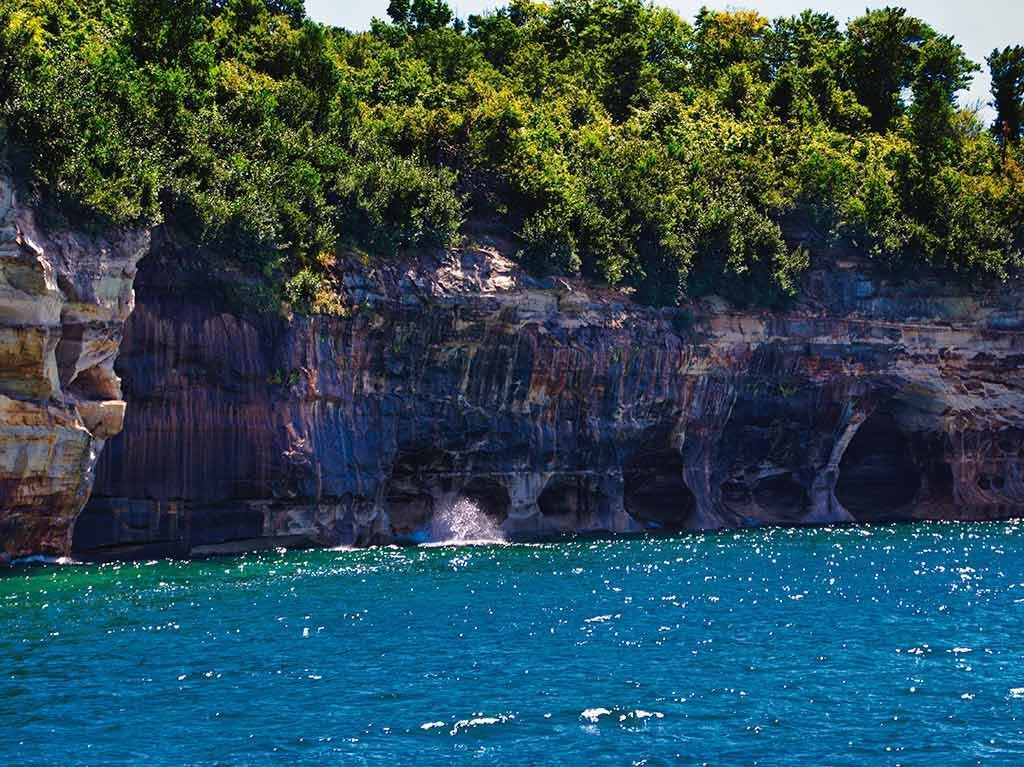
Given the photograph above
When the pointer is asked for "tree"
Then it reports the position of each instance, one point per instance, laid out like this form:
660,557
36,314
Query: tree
295,10
399,11
942,70
801,55
605,137
882,52
725,38
420,14
431,14
162,30
803,41
1007,68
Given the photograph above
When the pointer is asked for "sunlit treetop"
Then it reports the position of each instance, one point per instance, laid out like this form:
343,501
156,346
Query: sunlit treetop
610,138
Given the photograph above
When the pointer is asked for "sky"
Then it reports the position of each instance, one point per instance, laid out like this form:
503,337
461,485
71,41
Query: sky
979,25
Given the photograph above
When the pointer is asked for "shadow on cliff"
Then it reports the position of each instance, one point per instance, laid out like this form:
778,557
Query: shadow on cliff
896,468
654,491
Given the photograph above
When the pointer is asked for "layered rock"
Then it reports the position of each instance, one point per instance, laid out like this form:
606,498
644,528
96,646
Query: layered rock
555,407
64,297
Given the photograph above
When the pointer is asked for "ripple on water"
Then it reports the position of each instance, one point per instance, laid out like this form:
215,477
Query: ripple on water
596,651
479,721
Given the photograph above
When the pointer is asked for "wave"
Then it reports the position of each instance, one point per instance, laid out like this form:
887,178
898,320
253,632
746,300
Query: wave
463,523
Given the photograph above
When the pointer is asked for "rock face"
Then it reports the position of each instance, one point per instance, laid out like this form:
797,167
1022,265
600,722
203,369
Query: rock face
64,298
553,408
457,381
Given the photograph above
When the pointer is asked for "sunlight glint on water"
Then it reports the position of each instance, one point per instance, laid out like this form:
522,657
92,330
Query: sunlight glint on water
855,646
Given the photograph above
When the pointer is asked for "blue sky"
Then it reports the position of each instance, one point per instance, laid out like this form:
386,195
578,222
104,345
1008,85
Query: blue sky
980,25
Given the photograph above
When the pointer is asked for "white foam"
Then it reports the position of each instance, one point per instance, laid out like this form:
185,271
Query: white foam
480,721
452,543
593,714
431,725
463,523
41,559
641,714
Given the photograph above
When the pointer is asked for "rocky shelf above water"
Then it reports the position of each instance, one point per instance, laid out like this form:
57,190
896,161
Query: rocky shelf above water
553,406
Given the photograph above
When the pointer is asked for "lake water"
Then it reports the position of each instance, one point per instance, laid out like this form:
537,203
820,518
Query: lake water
851,646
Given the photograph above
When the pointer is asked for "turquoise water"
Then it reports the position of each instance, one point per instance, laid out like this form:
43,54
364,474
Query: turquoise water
853,646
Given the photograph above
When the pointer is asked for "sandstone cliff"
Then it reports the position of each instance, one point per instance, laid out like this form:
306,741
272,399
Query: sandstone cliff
64,297
555,408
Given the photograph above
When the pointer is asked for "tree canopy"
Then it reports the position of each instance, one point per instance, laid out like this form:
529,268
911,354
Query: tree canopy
609,138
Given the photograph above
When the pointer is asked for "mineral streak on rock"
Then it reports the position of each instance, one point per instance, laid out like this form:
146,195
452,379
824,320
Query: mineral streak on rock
554,407
64,297
550,406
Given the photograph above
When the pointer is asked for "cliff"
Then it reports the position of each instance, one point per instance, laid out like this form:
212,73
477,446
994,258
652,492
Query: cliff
554,407
64,297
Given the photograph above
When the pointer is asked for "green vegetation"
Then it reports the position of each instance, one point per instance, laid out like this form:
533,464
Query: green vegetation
609,138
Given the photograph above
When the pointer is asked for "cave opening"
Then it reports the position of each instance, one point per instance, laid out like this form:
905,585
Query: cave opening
123,528
655,492
419,478
878,476
96,527
475,512
565,501
489,496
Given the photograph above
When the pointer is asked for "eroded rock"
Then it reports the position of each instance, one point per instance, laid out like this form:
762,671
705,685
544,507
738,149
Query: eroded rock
64,297
557,407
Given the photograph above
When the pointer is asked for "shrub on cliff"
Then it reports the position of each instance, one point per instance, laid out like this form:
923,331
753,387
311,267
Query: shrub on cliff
610,138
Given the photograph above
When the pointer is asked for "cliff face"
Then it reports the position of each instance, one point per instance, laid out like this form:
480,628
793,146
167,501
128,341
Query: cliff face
554,408
64,297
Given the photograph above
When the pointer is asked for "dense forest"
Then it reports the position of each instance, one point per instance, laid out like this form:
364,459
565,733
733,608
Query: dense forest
608,138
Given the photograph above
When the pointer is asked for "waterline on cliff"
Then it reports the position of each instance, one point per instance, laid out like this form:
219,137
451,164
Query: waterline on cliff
43,559
463,523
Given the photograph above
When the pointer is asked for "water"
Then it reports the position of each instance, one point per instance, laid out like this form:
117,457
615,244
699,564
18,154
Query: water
870,646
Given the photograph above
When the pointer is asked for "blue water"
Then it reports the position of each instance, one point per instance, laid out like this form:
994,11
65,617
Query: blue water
854,646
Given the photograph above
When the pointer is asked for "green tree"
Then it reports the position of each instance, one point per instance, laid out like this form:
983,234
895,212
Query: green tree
1007,69
881,56
726,38
608,138
942,71
803,41
420,14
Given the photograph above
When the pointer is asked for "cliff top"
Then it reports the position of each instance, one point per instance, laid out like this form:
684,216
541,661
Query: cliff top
610,138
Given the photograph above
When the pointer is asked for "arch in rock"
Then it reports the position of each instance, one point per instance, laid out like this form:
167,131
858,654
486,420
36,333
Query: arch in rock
419,480
489,495
655,492
781,496
879,477
777,497
566,502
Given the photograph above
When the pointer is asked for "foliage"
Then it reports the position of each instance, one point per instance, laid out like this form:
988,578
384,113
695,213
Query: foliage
610,138
312,293
1007,67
